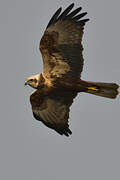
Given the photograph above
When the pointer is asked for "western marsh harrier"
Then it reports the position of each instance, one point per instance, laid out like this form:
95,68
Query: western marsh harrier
60,81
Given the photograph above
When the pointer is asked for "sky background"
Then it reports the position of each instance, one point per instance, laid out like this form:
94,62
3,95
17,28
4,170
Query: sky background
28,149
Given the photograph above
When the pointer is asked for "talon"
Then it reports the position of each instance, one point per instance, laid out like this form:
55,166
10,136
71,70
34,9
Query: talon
92,89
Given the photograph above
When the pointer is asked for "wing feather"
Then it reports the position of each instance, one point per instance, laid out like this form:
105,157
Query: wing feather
54,17
61,45
73,13
53,110
80,16
65,12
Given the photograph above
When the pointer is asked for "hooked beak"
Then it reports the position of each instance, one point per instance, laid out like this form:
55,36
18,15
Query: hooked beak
26,83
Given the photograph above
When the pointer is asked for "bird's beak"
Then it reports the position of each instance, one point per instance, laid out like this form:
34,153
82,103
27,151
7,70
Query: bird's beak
26,83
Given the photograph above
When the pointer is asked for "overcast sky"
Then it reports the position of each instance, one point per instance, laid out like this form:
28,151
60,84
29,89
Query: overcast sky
28,149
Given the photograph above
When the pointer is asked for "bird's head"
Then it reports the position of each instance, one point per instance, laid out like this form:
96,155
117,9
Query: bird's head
33,81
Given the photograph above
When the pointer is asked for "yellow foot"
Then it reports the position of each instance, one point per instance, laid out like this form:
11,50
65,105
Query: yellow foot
92,89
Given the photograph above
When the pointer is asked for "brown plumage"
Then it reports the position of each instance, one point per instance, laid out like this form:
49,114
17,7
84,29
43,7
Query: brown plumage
58,85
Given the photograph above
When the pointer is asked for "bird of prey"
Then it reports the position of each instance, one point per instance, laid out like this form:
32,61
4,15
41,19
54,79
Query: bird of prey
58,84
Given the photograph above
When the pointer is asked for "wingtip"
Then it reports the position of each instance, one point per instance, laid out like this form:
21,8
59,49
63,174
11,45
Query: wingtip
72,4
60,9
66,132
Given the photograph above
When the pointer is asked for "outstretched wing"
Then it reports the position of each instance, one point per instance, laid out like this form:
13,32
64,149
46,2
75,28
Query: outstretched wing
61,46
53,110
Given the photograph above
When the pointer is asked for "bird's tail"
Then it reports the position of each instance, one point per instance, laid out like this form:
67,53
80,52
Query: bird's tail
108,90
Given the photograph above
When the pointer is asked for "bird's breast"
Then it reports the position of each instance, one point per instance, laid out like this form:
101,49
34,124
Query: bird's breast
48,81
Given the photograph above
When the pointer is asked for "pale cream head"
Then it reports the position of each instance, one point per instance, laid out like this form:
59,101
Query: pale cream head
33,81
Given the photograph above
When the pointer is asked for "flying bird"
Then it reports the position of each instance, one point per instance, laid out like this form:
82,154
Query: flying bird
60,82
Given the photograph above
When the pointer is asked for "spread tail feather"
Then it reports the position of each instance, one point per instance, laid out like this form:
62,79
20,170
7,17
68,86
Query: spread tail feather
108,90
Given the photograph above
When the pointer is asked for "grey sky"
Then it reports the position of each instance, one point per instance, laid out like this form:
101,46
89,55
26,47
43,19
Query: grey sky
28,149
